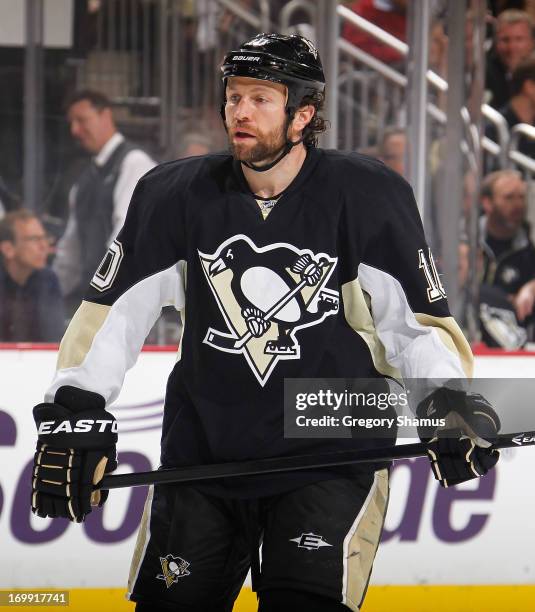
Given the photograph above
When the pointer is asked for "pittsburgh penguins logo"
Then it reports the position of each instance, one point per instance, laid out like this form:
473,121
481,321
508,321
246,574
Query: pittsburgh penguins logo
173,568
266,295
509,275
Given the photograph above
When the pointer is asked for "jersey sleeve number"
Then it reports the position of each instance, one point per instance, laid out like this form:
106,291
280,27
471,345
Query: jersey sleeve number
108,268
435,289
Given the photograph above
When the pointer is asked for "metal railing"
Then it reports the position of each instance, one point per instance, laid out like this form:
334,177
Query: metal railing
516,157
391,41
293,6
498,149
504,149
389,90
261,22
363,24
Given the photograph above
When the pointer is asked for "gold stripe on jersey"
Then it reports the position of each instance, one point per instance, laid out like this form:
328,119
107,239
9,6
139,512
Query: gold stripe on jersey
358,315
78,338
361,542
453,338
143,537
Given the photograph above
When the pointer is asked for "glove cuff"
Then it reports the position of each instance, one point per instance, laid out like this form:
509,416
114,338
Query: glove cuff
79,400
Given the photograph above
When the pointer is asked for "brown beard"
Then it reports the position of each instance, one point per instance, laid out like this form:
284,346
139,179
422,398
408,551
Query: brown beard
509,225
265,150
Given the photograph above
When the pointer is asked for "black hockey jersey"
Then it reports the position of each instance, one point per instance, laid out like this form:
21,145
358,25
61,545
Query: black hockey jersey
336,282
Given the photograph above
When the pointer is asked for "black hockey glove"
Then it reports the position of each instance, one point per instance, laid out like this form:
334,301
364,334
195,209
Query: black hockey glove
461,449
75,448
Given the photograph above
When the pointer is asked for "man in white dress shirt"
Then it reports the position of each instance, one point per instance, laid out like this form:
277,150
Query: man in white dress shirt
99,200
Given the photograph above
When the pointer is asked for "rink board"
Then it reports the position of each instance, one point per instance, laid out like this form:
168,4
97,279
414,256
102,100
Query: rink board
482,533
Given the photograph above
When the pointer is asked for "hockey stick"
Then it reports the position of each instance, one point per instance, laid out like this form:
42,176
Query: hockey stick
222,341
289,464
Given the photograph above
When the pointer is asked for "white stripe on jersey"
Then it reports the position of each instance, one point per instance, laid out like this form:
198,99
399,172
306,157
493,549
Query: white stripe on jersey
416,350
117,343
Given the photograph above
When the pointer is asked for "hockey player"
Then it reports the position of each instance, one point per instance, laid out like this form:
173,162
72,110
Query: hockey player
286,261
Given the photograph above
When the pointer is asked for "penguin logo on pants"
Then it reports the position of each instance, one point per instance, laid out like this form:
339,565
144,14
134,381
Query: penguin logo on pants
266,295
173,568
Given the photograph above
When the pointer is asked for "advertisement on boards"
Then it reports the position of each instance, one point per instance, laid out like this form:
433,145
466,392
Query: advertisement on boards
431,535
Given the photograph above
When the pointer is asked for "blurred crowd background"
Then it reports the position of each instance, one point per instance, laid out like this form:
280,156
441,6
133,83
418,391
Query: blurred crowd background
96,92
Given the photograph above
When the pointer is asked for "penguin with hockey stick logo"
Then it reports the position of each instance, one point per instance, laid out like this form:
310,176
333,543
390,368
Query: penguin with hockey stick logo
273,286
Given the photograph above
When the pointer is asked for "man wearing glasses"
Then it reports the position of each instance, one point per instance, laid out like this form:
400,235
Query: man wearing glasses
31,306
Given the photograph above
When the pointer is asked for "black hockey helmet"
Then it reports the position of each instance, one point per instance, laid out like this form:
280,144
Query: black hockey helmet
290,60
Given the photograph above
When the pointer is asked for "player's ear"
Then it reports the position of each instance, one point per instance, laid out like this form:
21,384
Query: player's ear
303,116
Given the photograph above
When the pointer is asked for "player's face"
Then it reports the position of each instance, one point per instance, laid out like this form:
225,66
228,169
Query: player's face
509,202
514,42
90,126
256,119
31,245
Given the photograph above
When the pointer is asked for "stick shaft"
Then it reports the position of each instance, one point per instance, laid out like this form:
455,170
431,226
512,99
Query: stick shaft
238,343
289,464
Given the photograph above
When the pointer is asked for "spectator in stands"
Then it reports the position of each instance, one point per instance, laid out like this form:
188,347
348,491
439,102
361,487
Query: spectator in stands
194,143
514,41
495,7
31,307
389,15
521,106
99,199
438,48
508,279
392,149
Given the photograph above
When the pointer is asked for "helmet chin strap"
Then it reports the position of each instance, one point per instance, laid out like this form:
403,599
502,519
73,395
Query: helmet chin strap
288,146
